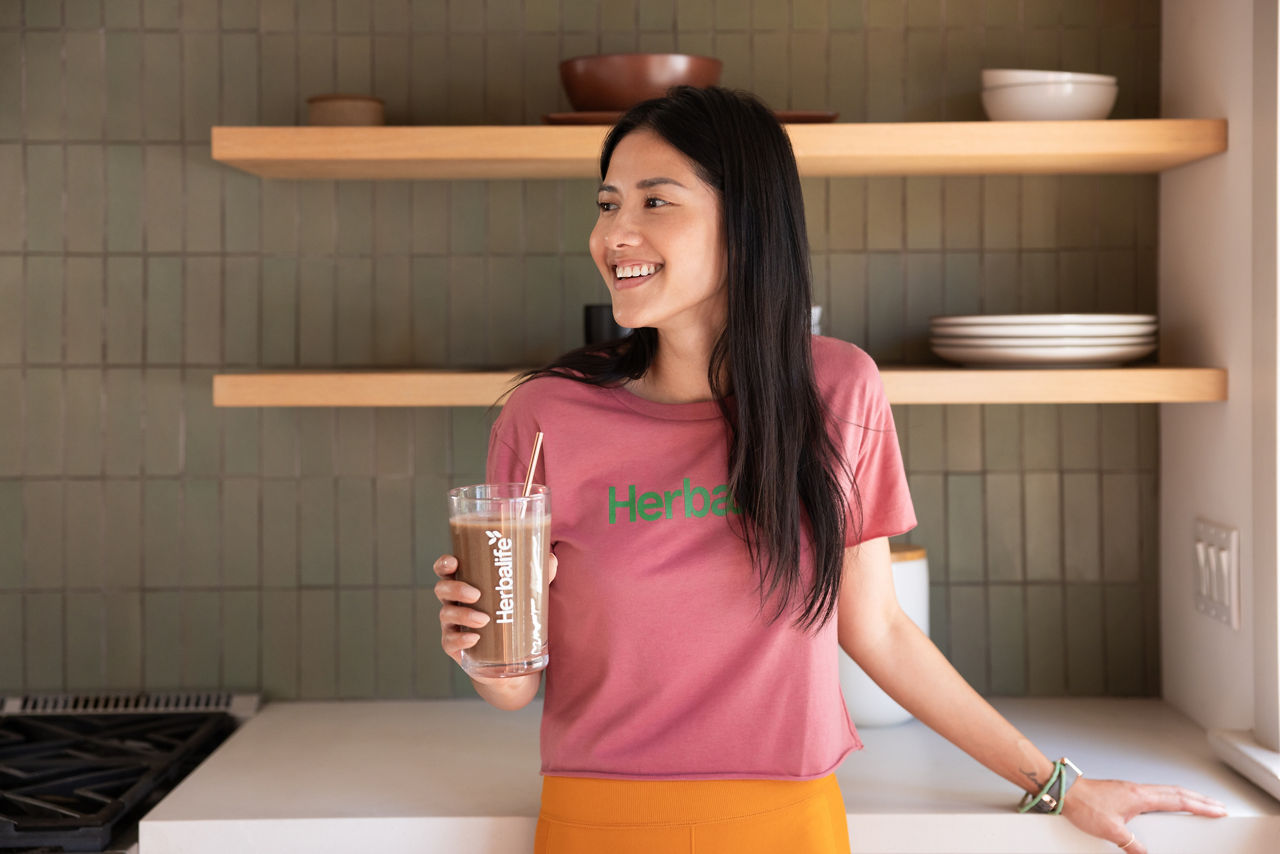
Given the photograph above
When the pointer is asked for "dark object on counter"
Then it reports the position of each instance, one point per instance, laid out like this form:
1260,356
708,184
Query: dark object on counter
73,782
618,81
599,326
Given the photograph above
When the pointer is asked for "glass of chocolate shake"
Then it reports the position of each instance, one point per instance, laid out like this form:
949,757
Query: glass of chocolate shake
502,540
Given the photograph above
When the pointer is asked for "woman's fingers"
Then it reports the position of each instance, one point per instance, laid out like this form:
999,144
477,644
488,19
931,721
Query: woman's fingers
1178,799
445,565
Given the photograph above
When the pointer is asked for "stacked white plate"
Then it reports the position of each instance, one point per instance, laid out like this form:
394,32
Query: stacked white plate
1043,340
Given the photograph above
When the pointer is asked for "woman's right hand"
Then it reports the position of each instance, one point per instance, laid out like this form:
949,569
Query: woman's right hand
455,616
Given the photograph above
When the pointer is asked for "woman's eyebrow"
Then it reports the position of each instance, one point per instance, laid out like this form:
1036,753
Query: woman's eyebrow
643,185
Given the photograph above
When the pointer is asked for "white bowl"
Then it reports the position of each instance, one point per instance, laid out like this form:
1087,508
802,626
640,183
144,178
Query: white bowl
1008,76
1030,102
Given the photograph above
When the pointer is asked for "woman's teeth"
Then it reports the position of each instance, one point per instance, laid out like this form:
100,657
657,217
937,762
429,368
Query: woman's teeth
633,270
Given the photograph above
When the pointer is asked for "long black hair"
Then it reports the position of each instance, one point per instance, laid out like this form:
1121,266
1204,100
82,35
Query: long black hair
783,463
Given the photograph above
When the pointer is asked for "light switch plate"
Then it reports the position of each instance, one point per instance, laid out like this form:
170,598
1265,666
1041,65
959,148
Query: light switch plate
1215,580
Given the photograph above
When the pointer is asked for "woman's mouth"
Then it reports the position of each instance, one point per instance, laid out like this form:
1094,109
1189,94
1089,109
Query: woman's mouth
634,275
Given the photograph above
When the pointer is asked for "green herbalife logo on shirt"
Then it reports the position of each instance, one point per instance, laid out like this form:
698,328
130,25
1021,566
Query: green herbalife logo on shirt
695,502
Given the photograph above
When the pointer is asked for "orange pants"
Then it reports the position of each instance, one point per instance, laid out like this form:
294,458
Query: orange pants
590,816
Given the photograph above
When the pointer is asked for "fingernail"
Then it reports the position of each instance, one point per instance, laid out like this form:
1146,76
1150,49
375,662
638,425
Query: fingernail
472,594
481,619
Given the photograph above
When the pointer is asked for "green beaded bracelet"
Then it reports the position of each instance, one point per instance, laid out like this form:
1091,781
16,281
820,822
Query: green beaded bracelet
1043,801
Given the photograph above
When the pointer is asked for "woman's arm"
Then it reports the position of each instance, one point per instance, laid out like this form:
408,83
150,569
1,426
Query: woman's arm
902,660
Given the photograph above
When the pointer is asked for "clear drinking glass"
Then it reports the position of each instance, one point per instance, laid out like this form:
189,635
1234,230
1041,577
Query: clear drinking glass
502,540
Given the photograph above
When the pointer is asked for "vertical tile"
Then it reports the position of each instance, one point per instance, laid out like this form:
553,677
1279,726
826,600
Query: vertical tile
430,310
12,633
847,212
200,536
354,447
278,72
163,442
315,441
317,635
924,298
126,192
124,416
506,321
161,86
1086,662
42,319
43,433
1038,226
280,638
241,640
964,283
430,526
433,669
239,84
12,185
428,95
885,212
1007,632
83,642
46,187
470,439
1004,527
1040,282
355,531
279,445
392,432
885,314
963,424
393,213
544,301
1081,526
392,307
200,71
394,533
1043,525
357,644
467,310
465,82
202,213
162,640
11,522
354,312
123,640
86,217
967,613
11,314
42,642
962,205
928,495
241,223
317,549
281,304
280,533
1122,606
83,402
123,78
201,643
965,559
354,201
163,317
1000,212
1047,673
45,537
1119,425
124,311
240,299
431,440
316,321
316,219
123,549
1002,437
1121,527
85,534
395,648
11,422
1040,436
162,533
238,533
1080,448
84,310
202,311
10,85
44,85
924,212
925,441
924,71
163,210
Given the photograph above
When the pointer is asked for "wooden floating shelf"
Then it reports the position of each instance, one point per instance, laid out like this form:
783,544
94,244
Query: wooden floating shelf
904,385
840,149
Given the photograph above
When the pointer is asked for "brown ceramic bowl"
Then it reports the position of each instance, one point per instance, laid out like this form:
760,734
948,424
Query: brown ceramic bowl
618,81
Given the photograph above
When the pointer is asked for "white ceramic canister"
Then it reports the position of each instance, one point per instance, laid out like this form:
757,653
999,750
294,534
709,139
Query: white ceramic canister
868,705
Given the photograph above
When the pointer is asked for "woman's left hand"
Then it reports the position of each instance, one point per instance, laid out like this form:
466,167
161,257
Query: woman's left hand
1102,808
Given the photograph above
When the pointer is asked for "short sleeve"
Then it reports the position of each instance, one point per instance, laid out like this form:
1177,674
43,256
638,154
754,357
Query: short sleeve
870,442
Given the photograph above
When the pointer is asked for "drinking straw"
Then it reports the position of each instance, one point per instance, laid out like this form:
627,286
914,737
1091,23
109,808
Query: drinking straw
533,463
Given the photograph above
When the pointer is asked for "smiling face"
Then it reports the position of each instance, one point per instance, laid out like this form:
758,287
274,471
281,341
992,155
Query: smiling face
658,242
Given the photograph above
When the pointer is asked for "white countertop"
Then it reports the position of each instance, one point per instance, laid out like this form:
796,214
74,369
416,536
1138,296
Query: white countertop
450,775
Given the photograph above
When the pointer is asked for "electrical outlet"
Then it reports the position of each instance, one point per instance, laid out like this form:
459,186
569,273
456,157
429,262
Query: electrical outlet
1216,574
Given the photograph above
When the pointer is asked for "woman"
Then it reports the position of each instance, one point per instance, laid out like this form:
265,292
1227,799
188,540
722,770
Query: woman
725,485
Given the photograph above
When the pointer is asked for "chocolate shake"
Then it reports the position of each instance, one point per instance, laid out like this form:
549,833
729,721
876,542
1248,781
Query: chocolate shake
502,543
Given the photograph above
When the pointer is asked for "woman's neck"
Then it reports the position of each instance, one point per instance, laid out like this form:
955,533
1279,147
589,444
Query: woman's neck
678,373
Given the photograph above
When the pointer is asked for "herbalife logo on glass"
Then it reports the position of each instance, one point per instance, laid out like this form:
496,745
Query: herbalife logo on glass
505,587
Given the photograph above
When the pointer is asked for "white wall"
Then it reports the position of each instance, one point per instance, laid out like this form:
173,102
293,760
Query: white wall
1206,310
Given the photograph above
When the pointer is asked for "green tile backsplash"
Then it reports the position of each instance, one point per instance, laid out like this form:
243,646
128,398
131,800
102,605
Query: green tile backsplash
151,541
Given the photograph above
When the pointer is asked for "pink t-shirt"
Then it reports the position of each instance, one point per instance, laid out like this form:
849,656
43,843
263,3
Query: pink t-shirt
663,665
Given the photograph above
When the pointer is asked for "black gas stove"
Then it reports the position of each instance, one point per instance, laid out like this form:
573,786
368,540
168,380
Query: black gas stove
78,780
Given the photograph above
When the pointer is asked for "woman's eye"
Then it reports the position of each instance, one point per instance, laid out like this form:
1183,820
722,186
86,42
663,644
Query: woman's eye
606,206
654,202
